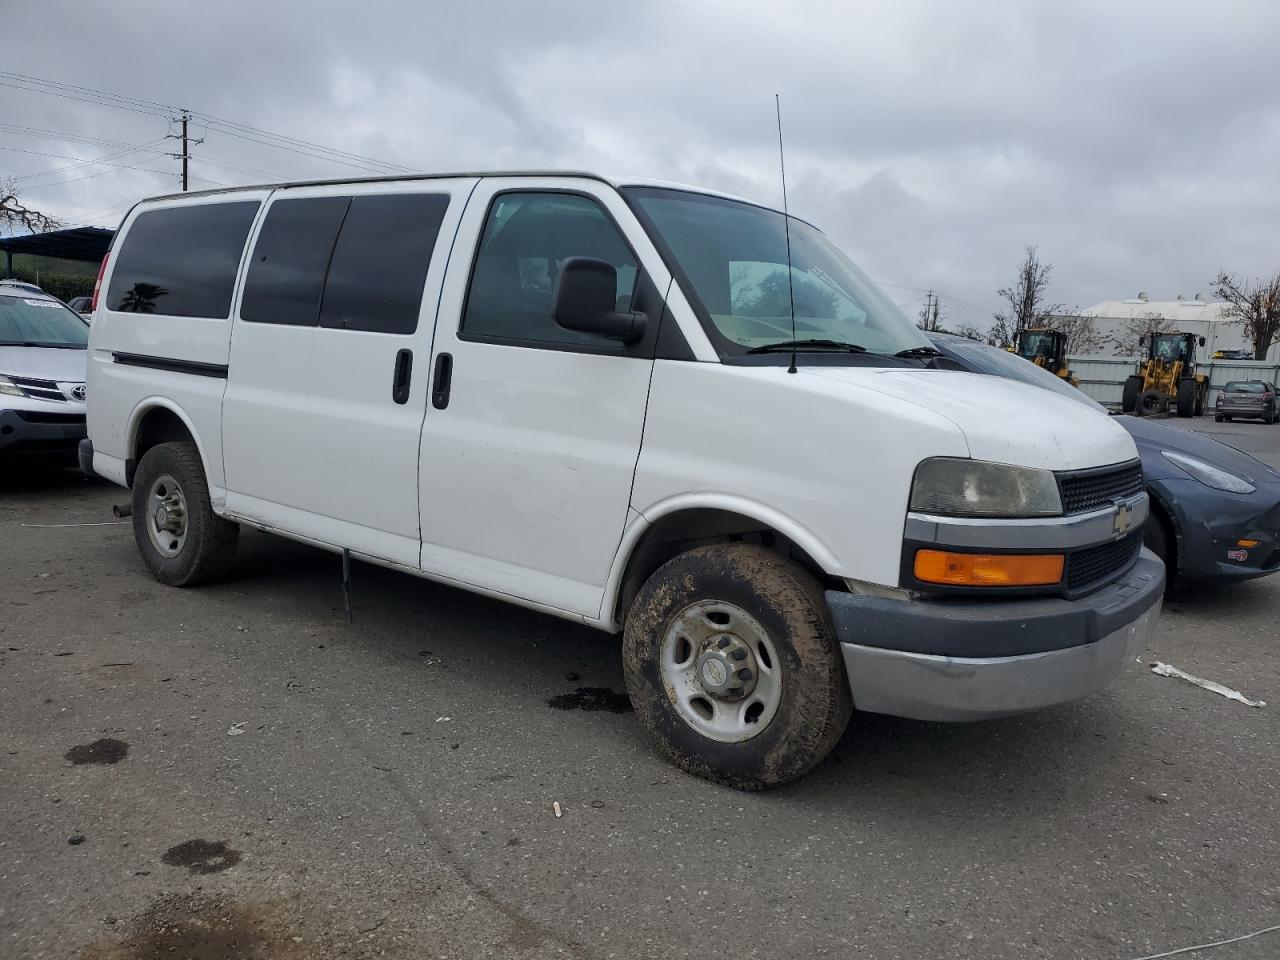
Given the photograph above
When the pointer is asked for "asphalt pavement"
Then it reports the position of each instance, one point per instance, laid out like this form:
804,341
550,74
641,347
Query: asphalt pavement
236,771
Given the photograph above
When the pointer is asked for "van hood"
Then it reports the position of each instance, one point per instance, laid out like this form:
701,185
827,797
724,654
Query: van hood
1004,421
45,363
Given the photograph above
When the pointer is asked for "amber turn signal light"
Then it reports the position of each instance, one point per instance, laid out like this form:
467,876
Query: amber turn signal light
988,570
1247,543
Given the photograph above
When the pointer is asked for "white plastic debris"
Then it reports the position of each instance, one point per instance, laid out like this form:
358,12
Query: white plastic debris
555,806
1165,670
237,729
443,719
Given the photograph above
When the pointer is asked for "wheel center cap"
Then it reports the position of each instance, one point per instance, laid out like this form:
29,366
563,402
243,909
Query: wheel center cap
162,517
714,673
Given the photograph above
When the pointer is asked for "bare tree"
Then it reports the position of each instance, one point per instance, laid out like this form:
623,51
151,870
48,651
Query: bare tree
1128,342
970,332
15,216
1254,305
1026,298
1082,334
930,316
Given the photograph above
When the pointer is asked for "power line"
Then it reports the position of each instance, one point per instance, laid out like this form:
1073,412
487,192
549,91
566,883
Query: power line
80,161
258,135
134,148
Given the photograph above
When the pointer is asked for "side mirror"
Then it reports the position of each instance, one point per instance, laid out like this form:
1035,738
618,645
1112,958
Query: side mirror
1202,341
585,300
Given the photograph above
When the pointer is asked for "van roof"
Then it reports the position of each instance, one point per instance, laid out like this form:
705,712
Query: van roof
614,181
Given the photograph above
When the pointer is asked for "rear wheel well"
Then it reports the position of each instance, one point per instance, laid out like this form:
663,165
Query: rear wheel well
677,532
158,425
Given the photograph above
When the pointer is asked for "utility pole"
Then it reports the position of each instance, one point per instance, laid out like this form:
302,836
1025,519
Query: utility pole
186,154
187,144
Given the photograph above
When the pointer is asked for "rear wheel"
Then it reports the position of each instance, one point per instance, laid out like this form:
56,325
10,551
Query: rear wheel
1270,417
733,667
1132,390
1186,398
182,541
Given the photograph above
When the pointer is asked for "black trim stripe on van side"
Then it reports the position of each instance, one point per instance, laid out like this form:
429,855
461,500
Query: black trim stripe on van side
193,367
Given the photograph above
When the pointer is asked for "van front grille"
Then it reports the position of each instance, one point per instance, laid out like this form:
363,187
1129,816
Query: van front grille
1095,564
1087,490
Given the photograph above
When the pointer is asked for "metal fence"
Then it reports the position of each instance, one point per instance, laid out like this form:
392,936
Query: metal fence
1102,378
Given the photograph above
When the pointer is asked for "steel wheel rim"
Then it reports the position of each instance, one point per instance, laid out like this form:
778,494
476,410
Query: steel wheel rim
166,516
693,657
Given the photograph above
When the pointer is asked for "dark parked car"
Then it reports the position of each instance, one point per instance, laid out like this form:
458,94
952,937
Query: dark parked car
1248,398
81,305
1215,511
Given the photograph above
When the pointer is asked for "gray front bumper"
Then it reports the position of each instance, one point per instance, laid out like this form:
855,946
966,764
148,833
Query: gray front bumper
927,687
981,659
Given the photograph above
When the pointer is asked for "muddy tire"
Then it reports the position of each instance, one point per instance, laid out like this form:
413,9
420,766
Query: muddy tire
1132,390
754,612
182,541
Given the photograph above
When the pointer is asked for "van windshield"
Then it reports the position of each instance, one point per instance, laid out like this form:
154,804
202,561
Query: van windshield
37,322
733,257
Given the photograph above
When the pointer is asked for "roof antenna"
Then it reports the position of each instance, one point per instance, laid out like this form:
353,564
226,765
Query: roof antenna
786,222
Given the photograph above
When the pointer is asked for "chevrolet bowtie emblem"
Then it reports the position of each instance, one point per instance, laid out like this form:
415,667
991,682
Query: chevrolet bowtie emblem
1123,520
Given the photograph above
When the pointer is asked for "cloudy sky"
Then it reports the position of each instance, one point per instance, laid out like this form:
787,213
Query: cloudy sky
1136,144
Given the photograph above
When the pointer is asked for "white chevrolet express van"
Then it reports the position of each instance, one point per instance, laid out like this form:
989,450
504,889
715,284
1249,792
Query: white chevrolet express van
577,394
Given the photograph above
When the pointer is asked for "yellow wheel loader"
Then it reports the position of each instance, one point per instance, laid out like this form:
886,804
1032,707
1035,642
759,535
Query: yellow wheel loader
1045,348
1168,376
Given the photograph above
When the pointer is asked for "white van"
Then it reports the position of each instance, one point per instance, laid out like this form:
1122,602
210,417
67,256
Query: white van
577,394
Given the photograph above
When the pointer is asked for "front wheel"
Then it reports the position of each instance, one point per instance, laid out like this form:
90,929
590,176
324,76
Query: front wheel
182,541
733,667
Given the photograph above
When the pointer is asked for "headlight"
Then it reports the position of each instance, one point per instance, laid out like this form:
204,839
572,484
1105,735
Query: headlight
1209,475
8,388
975,488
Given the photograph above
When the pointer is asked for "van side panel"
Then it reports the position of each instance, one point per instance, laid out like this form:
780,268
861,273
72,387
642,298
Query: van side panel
140,356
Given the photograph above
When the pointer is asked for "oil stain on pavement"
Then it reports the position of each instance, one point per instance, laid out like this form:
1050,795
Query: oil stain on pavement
202,928
592,698
100,751
202,856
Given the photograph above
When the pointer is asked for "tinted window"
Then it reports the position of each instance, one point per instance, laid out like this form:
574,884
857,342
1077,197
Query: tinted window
379,264
526,239
290,258
181,261
1246,386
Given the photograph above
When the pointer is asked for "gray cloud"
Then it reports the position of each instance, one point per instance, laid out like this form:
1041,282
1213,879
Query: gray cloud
1133,143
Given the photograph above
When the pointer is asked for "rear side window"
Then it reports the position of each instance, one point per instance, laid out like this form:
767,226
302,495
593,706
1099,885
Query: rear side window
380,262
286,273
181,261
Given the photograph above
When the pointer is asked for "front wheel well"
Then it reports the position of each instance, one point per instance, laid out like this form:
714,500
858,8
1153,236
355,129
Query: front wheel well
158,425
683,530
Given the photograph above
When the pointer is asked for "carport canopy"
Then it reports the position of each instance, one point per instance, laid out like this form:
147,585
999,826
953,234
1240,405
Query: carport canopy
80,243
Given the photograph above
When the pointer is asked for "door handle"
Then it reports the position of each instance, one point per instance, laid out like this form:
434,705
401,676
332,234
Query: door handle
442,380
403,375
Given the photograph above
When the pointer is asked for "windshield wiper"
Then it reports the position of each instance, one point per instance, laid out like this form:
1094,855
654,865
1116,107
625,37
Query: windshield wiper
918,352
785,346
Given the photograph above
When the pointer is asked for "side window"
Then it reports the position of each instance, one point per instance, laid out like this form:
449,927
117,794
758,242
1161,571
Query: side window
380,262
526,238
290,259
181,261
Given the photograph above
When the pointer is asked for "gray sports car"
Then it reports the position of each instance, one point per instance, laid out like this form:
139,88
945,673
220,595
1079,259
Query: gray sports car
1215,511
